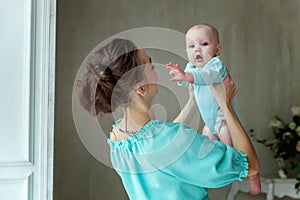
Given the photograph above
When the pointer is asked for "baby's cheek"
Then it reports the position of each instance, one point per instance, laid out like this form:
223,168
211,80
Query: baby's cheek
189,55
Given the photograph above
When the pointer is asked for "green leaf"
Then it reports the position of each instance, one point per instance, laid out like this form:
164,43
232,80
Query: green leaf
292,125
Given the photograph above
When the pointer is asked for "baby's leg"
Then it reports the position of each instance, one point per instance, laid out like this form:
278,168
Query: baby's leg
208,133
224,134
254,184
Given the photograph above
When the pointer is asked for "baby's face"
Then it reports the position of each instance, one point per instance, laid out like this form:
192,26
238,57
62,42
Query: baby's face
201,45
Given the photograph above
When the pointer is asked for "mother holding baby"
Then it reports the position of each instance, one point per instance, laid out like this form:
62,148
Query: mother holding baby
151,155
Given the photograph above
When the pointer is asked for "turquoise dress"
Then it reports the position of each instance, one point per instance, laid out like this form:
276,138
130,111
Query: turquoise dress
213,72
166,160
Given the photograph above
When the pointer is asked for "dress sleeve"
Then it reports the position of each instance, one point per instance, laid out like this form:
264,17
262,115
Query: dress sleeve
209,164
213,72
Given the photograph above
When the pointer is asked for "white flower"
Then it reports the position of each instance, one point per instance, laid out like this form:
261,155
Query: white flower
295,110
281,174
276,124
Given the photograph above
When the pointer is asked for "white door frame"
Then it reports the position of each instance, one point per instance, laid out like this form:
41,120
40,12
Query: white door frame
46,13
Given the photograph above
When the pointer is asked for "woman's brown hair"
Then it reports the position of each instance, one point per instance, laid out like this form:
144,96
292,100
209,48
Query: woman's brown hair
103,78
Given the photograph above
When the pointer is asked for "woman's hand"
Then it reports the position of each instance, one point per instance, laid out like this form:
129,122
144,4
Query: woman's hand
224,92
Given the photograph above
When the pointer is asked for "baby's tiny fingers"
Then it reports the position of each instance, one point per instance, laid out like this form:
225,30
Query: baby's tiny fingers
170,66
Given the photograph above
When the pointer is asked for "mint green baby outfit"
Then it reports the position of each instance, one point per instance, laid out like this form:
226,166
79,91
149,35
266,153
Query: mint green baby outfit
212,72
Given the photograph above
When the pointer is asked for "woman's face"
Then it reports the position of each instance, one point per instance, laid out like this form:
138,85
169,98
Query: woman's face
150,74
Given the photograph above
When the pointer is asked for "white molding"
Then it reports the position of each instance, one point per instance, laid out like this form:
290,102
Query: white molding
51,30
16,163
43,52
45,82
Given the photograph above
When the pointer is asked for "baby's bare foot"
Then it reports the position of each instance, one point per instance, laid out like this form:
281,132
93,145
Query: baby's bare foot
254,184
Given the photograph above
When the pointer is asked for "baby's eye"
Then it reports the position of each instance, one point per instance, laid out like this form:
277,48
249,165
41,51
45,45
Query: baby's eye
192,46
204,44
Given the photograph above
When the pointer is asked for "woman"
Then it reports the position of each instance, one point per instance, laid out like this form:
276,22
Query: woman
156,159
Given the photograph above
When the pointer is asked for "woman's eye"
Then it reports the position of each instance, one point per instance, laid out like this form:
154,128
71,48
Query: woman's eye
152,67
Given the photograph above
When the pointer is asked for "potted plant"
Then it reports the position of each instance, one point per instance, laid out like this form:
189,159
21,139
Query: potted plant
285,143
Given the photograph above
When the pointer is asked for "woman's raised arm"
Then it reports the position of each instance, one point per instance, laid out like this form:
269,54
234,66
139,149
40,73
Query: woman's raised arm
188,112
224,93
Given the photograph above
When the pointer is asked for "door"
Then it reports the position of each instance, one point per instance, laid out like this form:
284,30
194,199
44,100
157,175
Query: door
27,41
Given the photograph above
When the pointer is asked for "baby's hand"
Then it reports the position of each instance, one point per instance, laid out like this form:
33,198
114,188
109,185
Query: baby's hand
175,72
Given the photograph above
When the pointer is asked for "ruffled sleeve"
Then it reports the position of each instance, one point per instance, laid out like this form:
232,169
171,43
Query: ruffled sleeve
177,153
209,164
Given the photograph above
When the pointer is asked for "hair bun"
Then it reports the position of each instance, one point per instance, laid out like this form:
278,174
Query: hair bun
104,68
96,89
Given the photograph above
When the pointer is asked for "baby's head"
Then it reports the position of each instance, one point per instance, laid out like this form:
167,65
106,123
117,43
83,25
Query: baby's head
202,44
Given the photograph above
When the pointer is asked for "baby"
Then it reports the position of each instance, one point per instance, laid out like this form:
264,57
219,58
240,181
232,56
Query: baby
204,68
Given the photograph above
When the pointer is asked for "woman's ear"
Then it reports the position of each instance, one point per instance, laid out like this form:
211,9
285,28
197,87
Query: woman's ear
141,90
218,50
